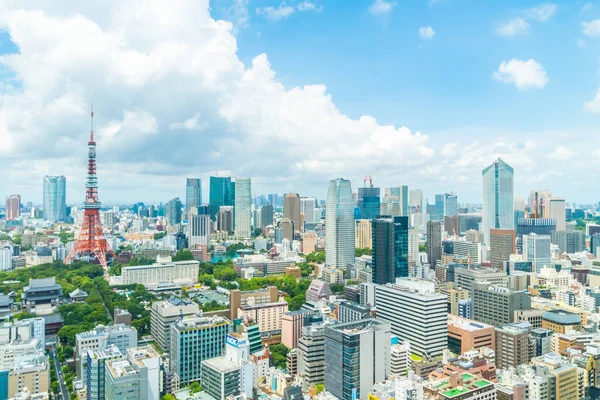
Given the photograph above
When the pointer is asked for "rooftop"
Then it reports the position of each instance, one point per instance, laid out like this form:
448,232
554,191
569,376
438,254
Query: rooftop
562,317
221,364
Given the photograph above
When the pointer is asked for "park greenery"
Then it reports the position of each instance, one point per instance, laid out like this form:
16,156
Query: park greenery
279,355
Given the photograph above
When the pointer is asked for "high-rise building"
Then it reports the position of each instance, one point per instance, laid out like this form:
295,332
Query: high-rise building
413,246
291,327
496,305
416,200
569,241
266,215
55,198
219,194
242,208
498,198
434,242
368,202
122,381
193,193
357,355
311,357
364,236
417,314
193,340
502,246
163,314
96,370
199,229
514,346
308,206
339,224
450,205
225,219
595,244
291,210
536,248
174,211
540,226
390,249
557,210
13,207
404,201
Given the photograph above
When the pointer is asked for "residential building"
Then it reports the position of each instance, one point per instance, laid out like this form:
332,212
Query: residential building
390,249
339,225
364,239
267,316
496,305
514,346
434,242
357,355
163,314
498,198
502,246
13,207
55,198
193,340
416,314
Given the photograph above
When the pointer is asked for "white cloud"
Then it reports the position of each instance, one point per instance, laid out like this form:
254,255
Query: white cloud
513,27
542,12
591,28
192,124
426,32
284,10
523,74
308,6
381,7
561,153
594,104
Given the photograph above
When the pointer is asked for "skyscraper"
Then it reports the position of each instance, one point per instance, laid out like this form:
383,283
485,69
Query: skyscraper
193,193
307,207
199,229
502,245
55,198
291,210
368,202
536,248
557,210
450,205
219,194
404,200
498,198
339,224
174,211
434,242
416,200
13,207
390,249
266,214
242,208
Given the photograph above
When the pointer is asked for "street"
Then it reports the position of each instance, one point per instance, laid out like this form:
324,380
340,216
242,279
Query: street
59,375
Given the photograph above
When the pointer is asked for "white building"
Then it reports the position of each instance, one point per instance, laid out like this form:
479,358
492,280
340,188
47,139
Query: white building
498,198
463,248
199,230
413,246
307,207
5,258
243,208
536,248
339,224
400,359
163,270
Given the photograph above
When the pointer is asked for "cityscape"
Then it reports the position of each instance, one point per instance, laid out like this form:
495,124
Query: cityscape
338,271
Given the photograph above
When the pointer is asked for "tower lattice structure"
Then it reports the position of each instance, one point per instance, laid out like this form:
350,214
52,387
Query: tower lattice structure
91,240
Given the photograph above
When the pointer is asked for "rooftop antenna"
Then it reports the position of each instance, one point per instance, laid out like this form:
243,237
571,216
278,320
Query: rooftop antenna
92,124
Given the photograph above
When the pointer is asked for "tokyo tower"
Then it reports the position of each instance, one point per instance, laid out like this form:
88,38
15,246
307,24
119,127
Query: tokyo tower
91,240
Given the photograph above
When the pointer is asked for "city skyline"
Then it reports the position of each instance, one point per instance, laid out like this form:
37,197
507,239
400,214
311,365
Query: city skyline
495,106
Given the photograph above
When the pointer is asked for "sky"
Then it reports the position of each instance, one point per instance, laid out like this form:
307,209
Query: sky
294,93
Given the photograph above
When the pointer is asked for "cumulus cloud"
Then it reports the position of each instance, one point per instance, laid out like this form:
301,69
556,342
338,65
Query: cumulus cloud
381,7
512,27
542,12
522,74
594,104
562,153
591,28
426,32
284,10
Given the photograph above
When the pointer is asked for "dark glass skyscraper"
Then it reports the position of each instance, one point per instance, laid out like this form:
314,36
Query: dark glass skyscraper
219,194
368,202
390,249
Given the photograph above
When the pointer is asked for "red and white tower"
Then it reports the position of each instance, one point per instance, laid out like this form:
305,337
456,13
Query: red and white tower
91,240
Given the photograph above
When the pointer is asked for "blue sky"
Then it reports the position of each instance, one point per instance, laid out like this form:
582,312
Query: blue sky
278,94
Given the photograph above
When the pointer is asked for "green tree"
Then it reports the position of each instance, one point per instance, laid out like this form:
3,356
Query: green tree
422,248
316,257
336,287
183,255
195,387
279,355
362,252
168,396
319,387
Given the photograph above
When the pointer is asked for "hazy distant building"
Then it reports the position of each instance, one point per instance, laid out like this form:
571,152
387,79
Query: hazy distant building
291,210
242,208
390,249
339,225
193,193
173,211
266,215
55,198
368,202
536,248
498,198
557,210
434,242
364,239
569,241
13,207
308,206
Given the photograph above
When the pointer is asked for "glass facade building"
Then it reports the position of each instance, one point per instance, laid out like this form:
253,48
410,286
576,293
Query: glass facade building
390,249
193,193
219,194
368,202
339,224
242,208
55,198
498,198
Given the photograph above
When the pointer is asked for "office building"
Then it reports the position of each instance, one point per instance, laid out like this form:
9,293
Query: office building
193,340
29,371
146,362
291,327
199,229
219,194
569,241
416,314
220,378
502,246
266,215
416,200
225,219
173,211
268,317
349,311
565,381
308,207
595,245
465,335
163,270
122,381
339,225
291,210
539,226
467,250
242,208
287,229
163,314
496,305
514,346
466,278
543,341
454,297
536,249
561,321
95,376
556,209
368,202
450,205
364,239
193,193
434,242
55,198
252,297
498,198
357,355
400,360
311,354
390,249
13,207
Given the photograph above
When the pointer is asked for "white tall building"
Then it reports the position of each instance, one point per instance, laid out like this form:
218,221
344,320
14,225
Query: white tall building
400,359
413,246
416,200
307,207
557,210
339,224
199,230
417,314
243,208
498,198
536,248
5,258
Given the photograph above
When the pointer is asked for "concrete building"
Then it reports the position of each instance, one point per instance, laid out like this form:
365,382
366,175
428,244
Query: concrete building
416,314
291,211
454,297
96,371
163,270
466,278
220,377
243,208
147,363
543,341
556,209
13,207
317,291
514,346
434,242
308,207
363,234
199,229
121,381
367,294
31,371
536,248
163,314
311,357
569,241
465,335
348,345
193,340
496,305
252,297
339,225
400,360
468,250
291,327
267,316
566,381
502,246
560,321
349,311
